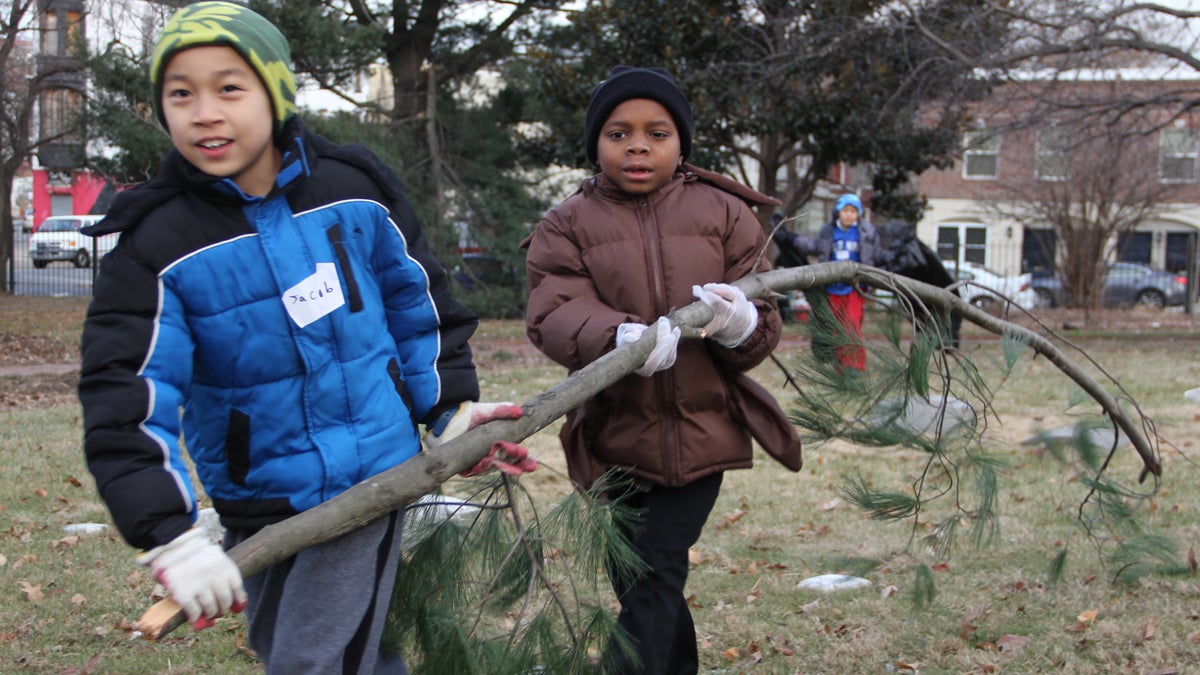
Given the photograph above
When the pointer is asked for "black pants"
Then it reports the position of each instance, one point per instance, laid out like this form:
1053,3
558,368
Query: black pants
654,611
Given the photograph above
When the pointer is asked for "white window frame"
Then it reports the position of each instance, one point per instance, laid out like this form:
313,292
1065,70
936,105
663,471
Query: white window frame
979,251
1179,152
1052,148
980,144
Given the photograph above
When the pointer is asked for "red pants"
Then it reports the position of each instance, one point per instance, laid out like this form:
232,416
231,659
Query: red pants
848,309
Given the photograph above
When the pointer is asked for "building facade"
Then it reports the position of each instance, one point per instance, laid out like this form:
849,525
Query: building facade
1034,162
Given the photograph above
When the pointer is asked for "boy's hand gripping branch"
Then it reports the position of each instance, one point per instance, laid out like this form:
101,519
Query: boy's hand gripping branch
198,575
511,458
734,317
665,345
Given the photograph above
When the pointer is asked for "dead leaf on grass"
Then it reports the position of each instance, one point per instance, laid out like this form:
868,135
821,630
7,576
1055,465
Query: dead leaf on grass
1084,621
1146,632
32,593
753,595
888,591
1194,637
1011,643
730,519
66,542
831,505
695,557
79,600
87,669
968,624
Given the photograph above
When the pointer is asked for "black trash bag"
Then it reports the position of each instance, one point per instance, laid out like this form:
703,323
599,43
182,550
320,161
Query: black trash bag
903,254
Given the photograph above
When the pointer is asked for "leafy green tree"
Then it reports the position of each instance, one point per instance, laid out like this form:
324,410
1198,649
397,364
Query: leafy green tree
782,88
445,134
129,143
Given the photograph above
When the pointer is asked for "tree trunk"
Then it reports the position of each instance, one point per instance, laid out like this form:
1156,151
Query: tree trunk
400,486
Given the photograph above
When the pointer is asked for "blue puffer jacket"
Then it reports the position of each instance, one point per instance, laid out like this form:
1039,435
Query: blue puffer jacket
303,335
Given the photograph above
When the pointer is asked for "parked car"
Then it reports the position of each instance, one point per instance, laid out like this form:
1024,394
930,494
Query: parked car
987,289
59,238
1125,285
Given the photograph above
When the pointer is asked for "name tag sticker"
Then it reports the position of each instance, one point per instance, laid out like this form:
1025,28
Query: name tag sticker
314,297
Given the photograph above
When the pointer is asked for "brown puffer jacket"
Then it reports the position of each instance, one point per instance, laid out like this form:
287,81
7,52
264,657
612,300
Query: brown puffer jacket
602,258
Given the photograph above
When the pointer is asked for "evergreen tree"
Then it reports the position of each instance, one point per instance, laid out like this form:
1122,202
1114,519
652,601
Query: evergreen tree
792,88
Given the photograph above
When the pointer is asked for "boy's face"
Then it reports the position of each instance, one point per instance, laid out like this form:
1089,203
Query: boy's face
638,148
219,116
848,216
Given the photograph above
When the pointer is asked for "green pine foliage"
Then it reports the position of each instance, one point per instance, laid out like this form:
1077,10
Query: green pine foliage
498,588
920,393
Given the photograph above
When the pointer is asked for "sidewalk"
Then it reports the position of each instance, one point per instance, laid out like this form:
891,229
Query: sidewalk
39,369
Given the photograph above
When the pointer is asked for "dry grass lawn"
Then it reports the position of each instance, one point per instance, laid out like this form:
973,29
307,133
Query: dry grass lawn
67,601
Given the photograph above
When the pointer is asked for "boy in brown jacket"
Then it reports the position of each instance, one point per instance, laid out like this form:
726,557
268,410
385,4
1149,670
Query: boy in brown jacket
646,235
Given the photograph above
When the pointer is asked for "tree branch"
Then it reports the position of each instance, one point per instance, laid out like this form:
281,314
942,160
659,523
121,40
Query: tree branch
403,484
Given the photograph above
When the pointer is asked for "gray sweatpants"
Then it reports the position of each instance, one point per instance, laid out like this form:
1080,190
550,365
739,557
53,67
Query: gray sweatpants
322,611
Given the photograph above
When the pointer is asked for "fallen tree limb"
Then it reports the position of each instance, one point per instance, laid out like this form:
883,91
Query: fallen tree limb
404,484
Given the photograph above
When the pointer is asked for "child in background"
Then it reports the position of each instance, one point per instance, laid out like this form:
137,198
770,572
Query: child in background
839,311
278,290
646,235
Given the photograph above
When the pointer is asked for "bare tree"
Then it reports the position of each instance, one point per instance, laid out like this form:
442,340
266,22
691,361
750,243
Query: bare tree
1096,177
23,79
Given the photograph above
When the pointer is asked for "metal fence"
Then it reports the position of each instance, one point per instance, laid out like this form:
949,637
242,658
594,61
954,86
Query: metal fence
56,278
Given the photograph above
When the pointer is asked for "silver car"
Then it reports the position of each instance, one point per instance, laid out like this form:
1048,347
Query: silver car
1125,285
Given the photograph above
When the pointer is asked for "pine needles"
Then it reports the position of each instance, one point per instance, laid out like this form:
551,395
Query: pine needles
921,393
492,587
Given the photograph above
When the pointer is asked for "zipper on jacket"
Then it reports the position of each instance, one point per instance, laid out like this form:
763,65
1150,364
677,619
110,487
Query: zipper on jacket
353,294
668,435
652,248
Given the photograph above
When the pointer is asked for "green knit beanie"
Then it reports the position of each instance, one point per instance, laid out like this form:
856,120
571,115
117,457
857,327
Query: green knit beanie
257,40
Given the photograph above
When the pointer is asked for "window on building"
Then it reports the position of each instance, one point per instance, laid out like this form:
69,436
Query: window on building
1052,153
959,243
50,42
1179,154
1134,247
60,110
981,154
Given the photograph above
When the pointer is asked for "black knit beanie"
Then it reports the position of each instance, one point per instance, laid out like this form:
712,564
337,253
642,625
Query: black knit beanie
625,83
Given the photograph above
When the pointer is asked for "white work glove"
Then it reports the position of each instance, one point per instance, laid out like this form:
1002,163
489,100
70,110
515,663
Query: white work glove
506,456
734,317
665,345
198,575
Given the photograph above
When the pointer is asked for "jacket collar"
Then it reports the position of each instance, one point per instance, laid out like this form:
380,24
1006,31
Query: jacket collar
603,186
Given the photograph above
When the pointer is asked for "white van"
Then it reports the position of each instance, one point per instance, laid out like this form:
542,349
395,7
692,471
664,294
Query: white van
58,238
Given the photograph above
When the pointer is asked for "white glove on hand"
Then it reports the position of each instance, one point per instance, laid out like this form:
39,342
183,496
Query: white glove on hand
199,576
665,345
734,317
510,458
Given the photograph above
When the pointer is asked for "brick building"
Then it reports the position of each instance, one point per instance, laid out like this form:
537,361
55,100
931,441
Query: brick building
1034,145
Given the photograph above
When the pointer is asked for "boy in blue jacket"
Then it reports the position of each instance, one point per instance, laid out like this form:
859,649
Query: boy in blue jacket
278,290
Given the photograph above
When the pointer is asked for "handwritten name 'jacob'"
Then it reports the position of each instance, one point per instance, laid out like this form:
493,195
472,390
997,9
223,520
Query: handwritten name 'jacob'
315,296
